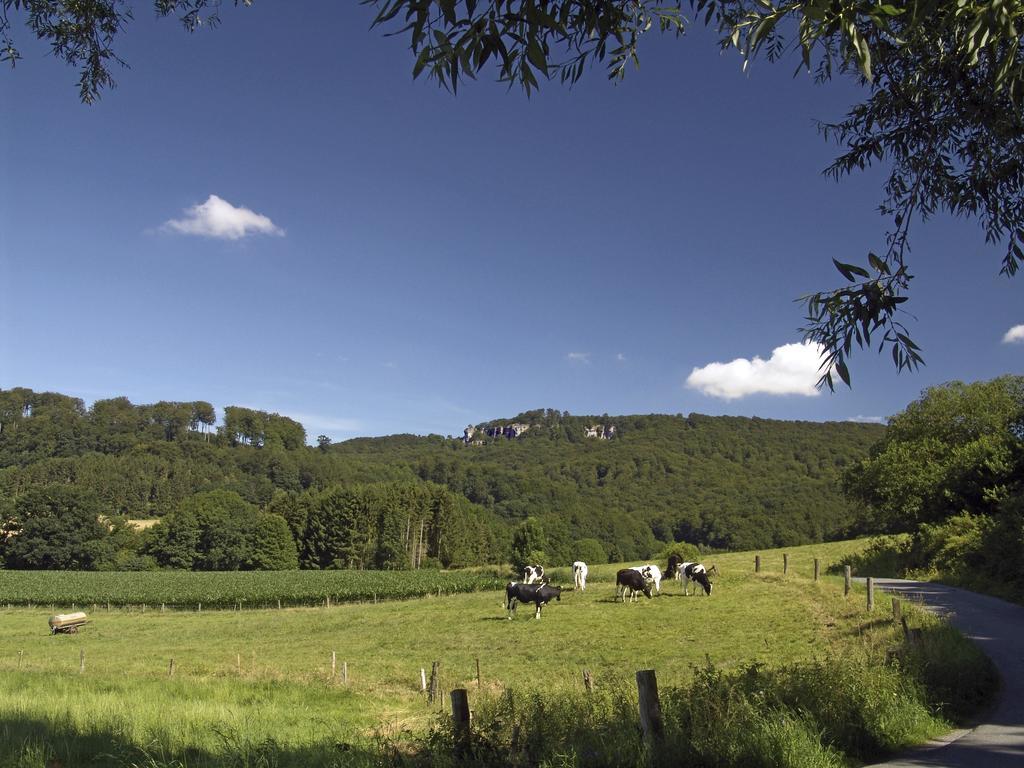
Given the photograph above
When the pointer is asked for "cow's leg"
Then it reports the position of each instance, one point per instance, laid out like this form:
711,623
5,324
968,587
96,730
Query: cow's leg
537,614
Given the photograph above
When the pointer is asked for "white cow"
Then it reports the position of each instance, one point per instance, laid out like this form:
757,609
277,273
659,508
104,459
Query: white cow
651,573
579,575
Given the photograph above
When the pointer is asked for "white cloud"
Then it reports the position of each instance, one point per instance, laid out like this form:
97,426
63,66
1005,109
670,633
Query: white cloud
578,357
620,357
1015,335
869,419
793,369
220,219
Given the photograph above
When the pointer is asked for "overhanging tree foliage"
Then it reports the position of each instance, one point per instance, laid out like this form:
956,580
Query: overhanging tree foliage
945,81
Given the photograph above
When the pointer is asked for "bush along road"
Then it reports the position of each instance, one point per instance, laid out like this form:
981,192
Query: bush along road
997,627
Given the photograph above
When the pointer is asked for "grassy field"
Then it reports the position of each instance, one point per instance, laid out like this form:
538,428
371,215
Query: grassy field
248,678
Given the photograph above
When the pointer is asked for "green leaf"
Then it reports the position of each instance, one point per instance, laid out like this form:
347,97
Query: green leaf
849,270
878,264
843,371
536,56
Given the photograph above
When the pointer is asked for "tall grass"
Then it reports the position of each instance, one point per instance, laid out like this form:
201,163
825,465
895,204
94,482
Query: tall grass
820,714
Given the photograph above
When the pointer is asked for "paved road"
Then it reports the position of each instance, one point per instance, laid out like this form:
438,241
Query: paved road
998,629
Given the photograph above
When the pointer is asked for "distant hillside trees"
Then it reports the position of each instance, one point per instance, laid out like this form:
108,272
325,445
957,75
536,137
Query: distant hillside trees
220,531
55,527
391,526
244,426
718,482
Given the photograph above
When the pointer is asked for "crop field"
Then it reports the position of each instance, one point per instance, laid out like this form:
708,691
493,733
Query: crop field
309,679
251,589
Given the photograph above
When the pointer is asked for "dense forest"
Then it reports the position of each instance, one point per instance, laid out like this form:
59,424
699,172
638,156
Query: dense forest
249,493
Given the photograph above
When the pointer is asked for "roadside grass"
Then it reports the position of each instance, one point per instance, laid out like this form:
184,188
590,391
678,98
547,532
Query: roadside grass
257,683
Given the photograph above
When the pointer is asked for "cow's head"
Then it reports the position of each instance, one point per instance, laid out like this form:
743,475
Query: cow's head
702,579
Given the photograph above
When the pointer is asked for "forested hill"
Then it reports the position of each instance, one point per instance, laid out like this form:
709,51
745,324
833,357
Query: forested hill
717,481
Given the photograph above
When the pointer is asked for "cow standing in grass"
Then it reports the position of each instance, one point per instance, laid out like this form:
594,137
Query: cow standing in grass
538,594
696,573
533,574
579,575
651,573
632,581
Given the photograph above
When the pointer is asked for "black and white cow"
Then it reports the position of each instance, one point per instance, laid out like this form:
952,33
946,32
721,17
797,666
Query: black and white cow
538,594
579,575
632,581
533,574
651,573
696,573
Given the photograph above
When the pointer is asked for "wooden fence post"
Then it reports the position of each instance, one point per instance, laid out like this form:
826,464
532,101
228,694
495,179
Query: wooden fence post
21,654
434,670
170,668
344,672
650,708
871,594
238,663
334,664
81,660
817,568
588,681
460,721
423,680
846,574
478,681
757,563
897,610
785,563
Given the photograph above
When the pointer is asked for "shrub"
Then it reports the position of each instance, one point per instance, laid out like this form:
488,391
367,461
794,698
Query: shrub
885,556
591,552
688,552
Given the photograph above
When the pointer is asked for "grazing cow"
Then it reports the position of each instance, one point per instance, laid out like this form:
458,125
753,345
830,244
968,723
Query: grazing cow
633,581
533,573
696,573
579,575
651,573
538,594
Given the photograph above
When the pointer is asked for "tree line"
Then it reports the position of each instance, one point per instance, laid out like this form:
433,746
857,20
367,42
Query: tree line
716,482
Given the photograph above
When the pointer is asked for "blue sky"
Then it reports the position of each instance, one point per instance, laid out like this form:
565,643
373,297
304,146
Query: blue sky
416,262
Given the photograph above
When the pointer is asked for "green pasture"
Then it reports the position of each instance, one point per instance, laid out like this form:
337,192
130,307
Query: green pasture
251,676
